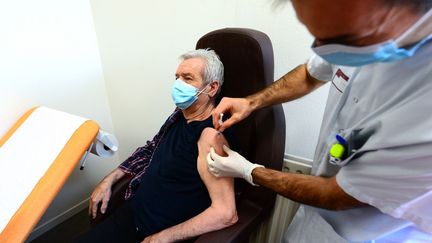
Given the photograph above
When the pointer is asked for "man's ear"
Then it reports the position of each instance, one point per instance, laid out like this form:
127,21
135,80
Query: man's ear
214,87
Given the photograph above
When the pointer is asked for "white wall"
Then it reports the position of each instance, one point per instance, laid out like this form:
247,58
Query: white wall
49,57
140,41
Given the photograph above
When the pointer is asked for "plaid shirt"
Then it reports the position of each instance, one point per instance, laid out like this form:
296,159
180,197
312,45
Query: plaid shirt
137,164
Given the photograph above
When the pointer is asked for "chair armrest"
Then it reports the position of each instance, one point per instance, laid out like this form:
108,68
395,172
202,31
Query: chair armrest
249,215
117,199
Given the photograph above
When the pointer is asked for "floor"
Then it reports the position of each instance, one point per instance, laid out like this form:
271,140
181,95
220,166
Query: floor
66,231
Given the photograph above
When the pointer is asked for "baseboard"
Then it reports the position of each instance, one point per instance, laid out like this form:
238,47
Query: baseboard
57,220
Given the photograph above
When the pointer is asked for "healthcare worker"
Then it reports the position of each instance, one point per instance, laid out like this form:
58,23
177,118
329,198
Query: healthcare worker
372,170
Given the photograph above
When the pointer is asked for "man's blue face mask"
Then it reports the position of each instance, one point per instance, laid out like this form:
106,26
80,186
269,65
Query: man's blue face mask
358,56
184,94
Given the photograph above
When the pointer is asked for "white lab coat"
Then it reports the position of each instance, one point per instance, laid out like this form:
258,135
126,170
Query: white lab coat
384,110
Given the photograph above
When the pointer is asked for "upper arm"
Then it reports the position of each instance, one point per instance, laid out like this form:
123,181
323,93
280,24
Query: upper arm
221,189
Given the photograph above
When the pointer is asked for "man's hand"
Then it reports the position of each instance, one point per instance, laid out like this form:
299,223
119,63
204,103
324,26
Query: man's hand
234,165
101,193
239,108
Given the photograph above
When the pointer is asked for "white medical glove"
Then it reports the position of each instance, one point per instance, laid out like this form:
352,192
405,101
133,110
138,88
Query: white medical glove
234,165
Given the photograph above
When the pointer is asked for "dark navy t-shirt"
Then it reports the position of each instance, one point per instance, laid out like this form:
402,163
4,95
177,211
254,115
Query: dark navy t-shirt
171,191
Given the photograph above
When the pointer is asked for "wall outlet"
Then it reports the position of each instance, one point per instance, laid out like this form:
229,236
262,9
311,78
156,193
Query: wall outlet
294,164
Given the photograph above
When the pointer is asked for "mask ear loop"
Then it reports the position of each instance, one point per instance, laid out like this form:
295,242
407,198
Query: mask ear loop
202,91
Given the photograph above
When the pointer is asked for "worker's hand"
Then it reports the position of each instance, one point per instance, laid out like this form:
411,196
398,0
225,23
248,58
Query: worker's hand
234,165
101,193
239,108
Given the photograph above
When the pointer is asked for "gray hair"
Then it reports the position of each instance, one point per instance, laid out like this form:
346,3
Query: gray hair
213,70
419,5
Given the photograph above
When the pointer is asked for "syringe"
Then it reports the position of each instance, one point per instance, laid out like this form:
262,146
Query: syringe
220,119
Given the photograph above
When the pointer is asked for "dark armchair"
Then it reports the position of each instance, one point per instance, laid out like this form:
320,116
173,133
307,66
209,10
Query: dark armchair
247,56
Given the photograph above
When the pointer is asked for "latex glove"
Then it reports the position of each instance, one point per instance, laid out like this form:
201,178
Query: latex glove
234,165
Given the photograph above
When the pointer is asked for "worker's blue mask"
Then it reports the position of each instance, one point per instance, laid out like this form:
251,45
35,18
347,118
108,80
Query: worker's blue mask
358,56
388,51
184,94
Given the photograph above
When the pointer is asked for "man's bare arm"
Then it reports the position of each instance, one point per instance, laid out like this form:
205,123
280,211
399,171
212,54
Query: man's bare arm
306,189
222,211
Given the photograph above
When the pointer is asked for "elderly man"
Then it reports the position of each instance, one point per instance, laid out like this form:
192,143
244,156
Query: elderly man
172,196
372,171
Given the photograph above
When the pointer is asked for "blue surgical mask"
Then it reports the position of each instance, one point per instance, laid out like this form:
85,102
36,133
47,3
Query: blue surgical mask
358,56
184,94
388,51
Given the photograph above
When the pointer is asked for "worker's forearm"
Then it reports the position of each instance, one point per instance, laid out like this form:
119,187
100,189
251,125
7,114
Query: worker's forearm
306,189
291,86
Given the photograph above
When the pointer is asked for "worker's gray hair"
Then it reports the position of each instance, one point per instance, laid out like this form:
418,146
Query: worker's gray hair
213,70
419,5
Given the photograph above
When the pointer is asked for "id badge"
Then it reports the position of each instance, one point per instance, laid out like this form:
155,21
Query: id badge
340,80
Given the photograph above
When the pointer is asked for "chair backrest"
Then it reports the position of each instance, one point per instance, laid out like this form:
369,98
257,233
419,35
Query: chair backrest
247,56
